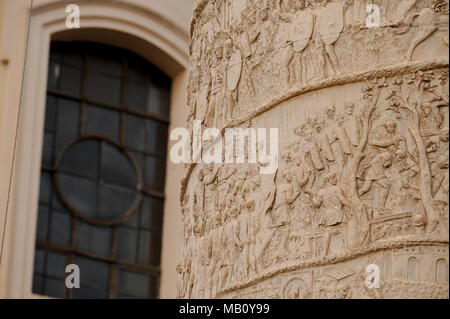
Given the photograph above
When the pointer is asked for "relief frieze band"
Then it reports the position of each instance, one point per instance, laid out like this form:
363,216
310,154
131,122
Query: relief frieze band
362,180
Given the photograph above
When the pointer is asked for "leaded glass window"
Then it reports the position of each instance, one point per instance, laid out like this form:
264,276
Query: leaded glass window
103,172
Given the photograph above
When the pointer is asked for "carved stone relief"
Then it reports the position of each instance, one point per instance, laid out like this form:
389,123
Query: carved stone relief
363,175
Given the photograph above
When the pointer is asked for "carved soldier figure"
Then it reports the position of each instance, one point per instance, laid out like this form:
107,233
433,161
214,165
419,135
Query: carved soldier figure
253,230
264,36
391,140
217,93
350,124
331,24
243,237
191,264
308,145
377,174
322,142
332,199
337,138
431,120
318,58
225,172
284,6
255,205
303,23
201,101
209,180
402,161
397,176
302,172
187,221
216,241
203,251
233,77
439,171
199,203
233,245
285,195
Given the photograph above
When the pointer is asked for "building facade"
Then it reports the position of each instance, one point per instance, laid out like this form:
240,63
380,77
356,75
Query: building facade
87,111
358,207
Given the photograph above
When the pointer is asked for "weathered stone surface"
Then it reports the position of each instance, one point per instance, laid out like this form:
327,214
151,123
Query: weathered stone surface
363,124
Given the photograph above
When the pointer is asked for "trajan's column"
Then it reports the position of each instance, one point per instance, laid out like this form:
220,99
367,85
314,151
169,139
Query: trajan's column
358,207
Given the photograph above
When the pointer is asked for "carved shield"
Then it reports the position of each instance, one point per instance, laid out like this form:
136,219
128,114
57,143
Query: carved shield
331,22
303,23
234,70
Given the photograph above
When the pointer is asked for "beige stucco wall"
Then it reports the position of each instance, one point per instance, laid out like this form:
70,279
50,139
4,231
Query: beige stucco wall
158,30
12,50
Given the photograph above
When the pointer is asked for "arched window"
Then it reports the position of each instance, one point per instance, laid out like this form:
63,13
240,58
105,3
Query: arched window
413,269
441,270
103,173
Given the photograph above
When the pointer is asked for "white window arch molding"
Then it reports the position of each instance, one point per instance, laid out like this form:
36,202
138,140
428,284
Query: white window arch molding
131,24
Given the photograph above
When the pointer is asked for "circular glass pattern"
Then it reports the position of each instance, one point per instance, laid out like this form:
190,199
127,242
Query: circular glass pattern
97,180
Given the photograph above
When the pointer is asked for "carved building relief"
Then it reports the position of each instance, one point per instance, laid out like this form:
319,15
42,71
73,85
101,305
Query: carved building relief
363,174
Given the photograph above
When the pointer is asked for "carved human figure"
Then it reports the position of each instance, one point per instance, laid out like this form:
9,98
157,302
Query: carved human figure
255,204
210,182
187,220
431,120
284,6
302,172
440,174
263,36
284,58
397,177
332,200
391,139
337,138
377,174
233,246
322,142
217,92
203,251
216,244
350,124
199,203
402,161
318,59
233,76
191,265
285,195
253,229
331,24
230,208
225,172
306,141
303,22
244,238
266,229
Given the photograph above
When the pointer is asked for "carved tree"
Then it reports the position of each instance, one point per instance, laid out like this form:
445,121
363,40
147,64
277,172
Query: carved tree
358,224
419,89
